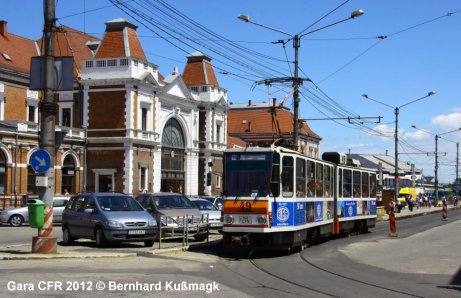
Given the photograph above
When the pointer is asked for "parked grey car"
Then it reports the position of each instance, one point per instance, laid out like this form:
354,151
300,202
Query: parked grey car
17,216
107,217
218,202
210,210
174,212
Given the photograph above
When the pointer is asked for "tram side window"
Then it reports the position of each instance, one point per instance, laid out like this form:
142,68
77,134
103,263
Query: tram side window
275,176
356,184
318,180
310,175
340,183
327,183
287,176
365,185
372,186
347,183
300,178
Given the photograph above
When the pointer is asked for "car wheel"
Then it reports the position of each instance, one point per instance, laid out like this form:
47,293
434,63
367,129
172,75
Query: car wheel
149,243
100,239
200,237
16,220
67,238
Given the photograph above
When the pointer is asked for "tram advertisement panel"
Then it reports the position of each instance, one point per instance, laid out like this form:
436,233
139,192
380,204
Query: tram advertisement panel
373,207
300,217
318,214
347,208
284,214
328,210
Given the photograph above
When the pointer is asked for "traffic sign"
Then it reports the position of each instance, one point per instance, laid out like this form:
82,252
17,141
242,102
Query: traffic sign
40,161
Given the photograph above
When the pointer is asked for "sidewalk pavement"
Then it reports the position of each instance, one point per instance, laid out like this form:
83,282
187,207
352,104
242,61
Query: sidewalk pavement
405,213
83,249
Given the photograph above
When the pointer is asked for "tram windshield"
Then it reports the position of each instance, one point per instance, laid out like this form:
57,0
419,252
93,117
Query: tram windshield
247,174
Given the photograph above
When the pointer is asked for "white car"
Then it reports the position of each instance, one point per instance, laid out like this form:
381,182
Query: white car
214,214
17,216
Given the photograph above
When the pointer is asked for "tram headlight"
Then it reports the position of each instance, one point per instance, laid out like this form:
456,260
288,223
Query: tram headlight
261,219
228,219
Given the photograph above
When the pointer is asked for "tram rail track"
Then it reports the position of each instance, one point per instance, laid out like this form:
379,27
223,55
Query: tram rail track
324,270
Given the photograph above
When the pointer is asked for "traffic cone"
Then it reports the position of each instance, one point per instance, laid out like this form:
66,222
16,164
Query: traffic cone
444,210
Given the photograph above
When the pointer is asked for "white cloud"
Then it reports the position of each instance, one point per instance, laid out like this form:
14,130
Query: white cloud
448,122
384,132
416,135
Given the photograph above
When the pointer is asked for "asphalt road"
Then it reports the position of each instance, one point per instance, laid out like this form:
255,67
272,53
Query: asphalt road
424,261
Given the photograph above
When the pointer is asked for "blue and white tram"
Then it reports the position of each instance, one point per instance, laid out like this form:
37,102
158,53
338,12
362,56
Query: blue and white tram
279,198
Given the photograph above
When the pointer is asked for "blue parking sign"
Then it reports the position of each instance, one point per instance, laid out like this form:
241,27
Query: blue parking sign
40,161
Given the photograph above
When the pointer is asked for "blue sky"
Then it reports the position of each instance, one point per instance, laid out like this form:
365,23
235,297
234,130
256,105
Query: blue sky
422,53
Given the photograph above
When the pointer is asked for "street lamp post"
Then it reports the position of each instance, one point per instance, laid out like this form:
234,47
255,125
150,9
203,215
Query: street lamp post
296,45
436,167
396,136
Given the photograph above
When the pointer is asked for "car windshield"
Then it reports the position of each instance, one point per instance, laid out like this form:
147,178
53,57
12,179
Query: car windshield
168,202
204,205
118,203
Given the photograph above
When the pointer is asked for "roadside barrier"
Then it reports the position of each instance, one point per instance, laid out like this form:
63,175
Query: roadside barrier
44,243
444,210
392,226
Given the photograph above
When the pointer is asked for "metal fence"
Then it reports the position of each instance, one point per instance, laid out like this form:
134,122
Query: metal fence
183,227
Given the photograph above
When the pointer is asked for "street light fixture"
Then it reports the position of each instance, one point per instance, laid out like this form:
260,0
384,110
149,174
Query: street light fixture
396,136
296,45
436,168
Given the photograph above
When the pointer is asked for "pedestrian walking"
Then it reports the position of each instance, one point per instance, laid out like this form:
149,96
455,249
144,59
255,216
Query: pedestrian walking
410,203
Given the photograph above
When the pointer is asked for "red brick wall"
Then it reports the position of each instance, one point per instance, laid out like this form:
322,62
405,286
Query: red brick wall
15,103
107,109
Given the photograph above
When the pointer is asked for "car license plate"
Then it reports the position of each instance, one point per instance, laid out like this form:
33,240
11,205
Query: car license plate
216,224
245,219
136,232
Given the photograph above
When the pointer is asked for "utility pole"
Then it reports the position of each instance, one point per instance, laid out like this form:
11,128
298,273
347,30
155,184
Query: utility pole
396,152
296,81
296,45
44,243
457,161
436,181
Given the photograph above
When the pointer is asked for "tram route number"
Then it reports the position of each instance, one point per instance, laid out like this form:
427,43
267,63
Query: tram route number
245,207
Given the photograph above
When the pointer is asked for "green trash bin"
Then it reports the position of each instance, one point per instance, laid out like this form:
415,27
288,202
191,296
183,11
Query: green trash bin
36,209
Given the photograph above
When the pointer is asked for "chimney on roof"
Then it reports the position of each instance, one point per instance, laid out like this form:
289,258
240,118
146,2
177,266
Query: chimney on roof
3,27
386,152
249,102
274,102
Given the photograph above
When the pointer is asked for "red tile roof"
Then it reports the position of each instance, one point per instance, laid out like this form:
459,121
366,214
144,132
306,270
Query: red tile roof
260,120
199,71
233,142
71,42
120,40
17,48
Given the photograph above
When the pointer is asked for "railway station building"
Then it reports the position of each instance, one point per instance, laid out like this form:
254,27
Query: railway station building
125,127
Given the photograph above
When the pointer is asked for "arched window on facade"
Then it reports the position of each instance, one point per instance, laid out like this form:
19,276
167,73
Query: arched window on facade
173,154
2,172
68,175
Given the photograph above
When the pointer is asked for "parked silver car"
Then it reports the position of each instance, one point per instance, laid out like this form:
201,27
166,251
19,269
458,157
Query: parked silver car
107,217
213,213
174,212
17,216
